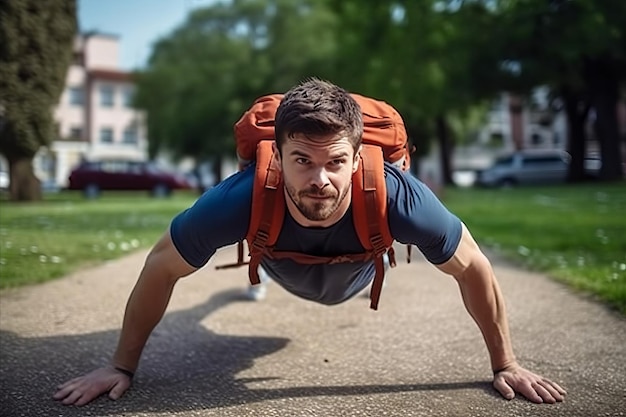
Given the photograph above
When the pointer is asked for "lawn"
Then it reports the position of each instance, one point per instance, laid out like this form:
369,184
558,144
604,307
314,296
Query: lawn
49,239
576,234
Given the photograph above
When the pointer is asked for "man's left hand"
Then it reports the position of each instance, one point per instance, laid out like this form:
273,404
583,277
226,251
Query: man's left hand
532,386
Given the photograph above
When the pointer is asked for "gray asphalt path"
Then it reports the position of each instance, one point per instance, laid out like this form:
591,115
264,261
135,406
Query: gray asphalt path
215,354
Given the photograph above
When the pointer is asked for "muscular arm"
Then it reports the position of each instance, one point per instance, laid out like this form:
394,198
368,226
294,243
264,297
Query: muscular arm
148,300
484,302
145,308
482,298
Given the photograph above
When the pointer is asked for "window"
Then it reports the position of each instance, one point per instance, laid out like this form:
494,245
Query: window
128,97
76,133
543,160
130,136
106,135
106,96
76,96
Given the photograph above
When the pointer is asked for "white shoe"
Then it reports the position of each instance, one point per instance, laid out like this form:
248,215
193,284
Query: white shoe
256,292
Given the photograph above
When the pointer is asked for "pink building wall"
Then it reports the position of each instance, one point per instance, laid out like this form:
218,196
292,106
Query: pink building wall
81,121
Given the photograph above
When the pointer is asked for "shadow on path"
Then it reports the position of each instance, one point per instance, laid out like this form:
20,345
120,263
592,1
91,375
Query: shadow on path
185,367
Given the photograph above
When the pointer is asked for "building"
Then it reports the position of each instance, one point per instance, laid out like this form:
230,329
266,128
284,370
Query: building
95,115
513,124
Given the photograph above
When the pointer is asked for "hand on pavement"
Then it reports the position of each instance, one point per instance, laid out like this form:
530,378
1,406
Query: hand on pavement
532,386
79,391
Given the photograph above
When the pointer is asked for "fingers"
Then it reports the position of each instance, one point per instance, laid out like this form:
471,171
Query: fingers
555,386
503,388
79,391
68,383
117,391
65,389
550,392
533,387
71,397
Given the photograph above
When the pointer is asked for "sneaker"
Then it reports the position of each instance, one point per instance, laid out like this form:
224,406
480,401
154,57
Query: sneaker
256,292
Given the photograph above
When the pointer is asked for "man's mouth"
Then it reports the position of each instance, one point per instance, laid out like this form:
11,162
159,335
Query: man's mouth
318,196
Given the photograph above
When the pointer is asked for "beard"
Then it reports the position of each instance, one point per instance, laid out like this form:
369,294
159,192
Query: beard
313,209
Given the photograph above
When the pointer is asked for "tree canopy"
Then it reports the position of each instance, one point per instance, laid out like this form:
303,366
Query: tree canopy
36,41
437,61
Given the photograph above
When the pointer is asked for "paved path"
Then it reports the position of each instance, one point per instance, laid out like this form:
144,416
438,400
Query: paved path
217,355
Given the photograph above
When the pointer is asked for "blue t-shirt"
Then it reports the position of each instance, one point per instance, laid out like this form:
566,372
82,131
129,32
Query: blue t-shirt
221,217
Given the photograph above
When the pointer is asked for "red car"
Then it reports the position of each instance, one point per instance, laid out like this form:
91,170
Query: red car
92,177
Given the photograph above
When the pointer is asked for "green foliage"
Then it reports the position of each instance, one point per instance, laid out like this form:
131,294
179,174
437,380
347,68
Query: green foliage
203,76
552,39
35,50
433,59
576,234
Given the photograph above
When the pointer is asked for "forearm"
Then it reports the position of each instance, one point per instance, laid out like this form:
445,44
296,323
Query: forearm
484,302
145,308
148,301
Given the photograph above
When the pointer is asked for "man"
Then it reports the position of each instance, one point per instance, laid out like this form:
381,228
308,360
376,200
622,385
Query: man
318,136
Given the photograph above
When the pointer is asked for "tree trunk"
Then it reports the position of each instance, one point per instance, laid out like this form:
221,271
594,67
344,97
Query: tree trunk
25,186
420,145
576,109
445,146
604,88
217,168
516,108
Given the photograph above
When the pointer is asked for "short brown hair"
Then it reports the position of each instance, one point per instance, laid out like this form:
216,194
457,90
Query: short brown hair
318,108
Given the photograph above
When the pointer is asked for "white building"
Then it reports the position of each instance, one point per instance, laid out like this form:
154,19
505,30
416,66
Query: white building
513,124
95,116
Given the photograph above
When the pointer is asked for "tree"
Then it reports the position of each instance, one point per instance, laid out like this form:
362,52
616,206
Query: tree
578,48
426,58
36,40
204,75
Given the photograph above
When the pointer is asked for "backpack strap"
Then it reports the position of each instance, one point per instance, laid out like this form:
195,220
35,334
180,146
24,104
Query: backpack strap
369,211
268,208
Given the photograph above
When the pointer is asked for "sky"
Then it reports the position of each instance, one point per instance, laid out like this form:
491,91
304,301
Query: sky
138,23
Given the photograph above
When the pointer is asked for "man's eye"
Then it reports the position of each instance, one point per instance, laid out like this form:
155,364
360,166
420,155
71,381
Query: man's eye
302,161
338,161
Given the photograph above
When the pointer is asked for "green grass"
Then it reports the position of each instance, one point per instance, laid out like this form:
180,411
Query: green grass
65,232
576,234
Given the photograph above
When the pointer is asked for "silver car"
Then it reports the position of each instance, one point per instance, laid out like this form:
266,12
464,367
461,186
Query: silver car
526,167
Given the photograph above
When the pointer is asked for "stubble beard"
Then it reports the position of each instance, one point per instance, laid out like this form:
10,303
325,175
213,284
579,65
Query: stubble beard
316,211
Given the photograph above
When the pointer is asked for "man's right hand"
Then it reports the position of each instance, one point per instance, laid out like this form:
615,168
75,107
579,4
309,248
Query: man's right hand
79,391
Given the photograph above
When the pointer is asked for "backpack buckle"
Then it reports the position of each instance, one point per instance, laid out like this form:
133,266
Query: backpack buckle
378,245
260,239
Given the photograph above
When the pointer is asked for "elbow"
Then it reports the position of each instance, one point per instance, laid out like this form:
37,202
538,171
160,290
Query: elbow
164,263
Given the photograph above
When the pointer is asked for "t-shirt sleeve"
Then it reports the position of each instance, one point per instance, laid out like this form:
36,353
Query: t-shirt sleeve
220,217
417,217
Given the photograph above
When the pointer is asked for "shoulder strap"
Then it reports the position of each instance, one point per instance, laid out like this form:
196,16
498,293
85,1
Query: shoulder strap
268,207
369,201
369,212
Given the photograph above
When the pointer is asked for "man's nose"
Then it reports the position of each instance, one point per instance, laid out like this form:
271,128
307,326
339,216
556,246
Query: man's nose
319,177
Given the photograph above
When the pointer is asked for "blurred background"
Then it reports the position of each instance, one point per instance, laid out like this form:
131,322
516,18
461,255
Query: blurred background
492,92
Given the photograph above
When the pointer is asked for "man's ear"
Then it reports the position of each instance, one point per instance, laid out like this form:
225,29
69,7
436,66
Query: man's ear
357,158
276,157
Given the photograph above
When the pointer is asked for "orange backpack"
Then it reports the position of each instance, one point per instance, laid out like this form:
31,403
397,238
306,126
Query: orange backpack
384,138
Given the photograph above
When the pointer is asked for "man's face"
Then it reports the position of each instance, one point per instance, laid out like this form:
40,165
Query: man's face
318,176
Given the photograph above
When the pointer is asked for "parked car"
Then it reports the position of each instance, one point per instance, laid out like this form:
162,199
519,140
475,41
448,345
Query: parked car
92,177
526,167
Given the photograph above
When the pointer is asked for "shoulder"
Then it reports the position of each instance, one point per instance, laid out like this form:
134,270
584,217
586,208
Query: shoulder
416,216
218,218
398,181
408,195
